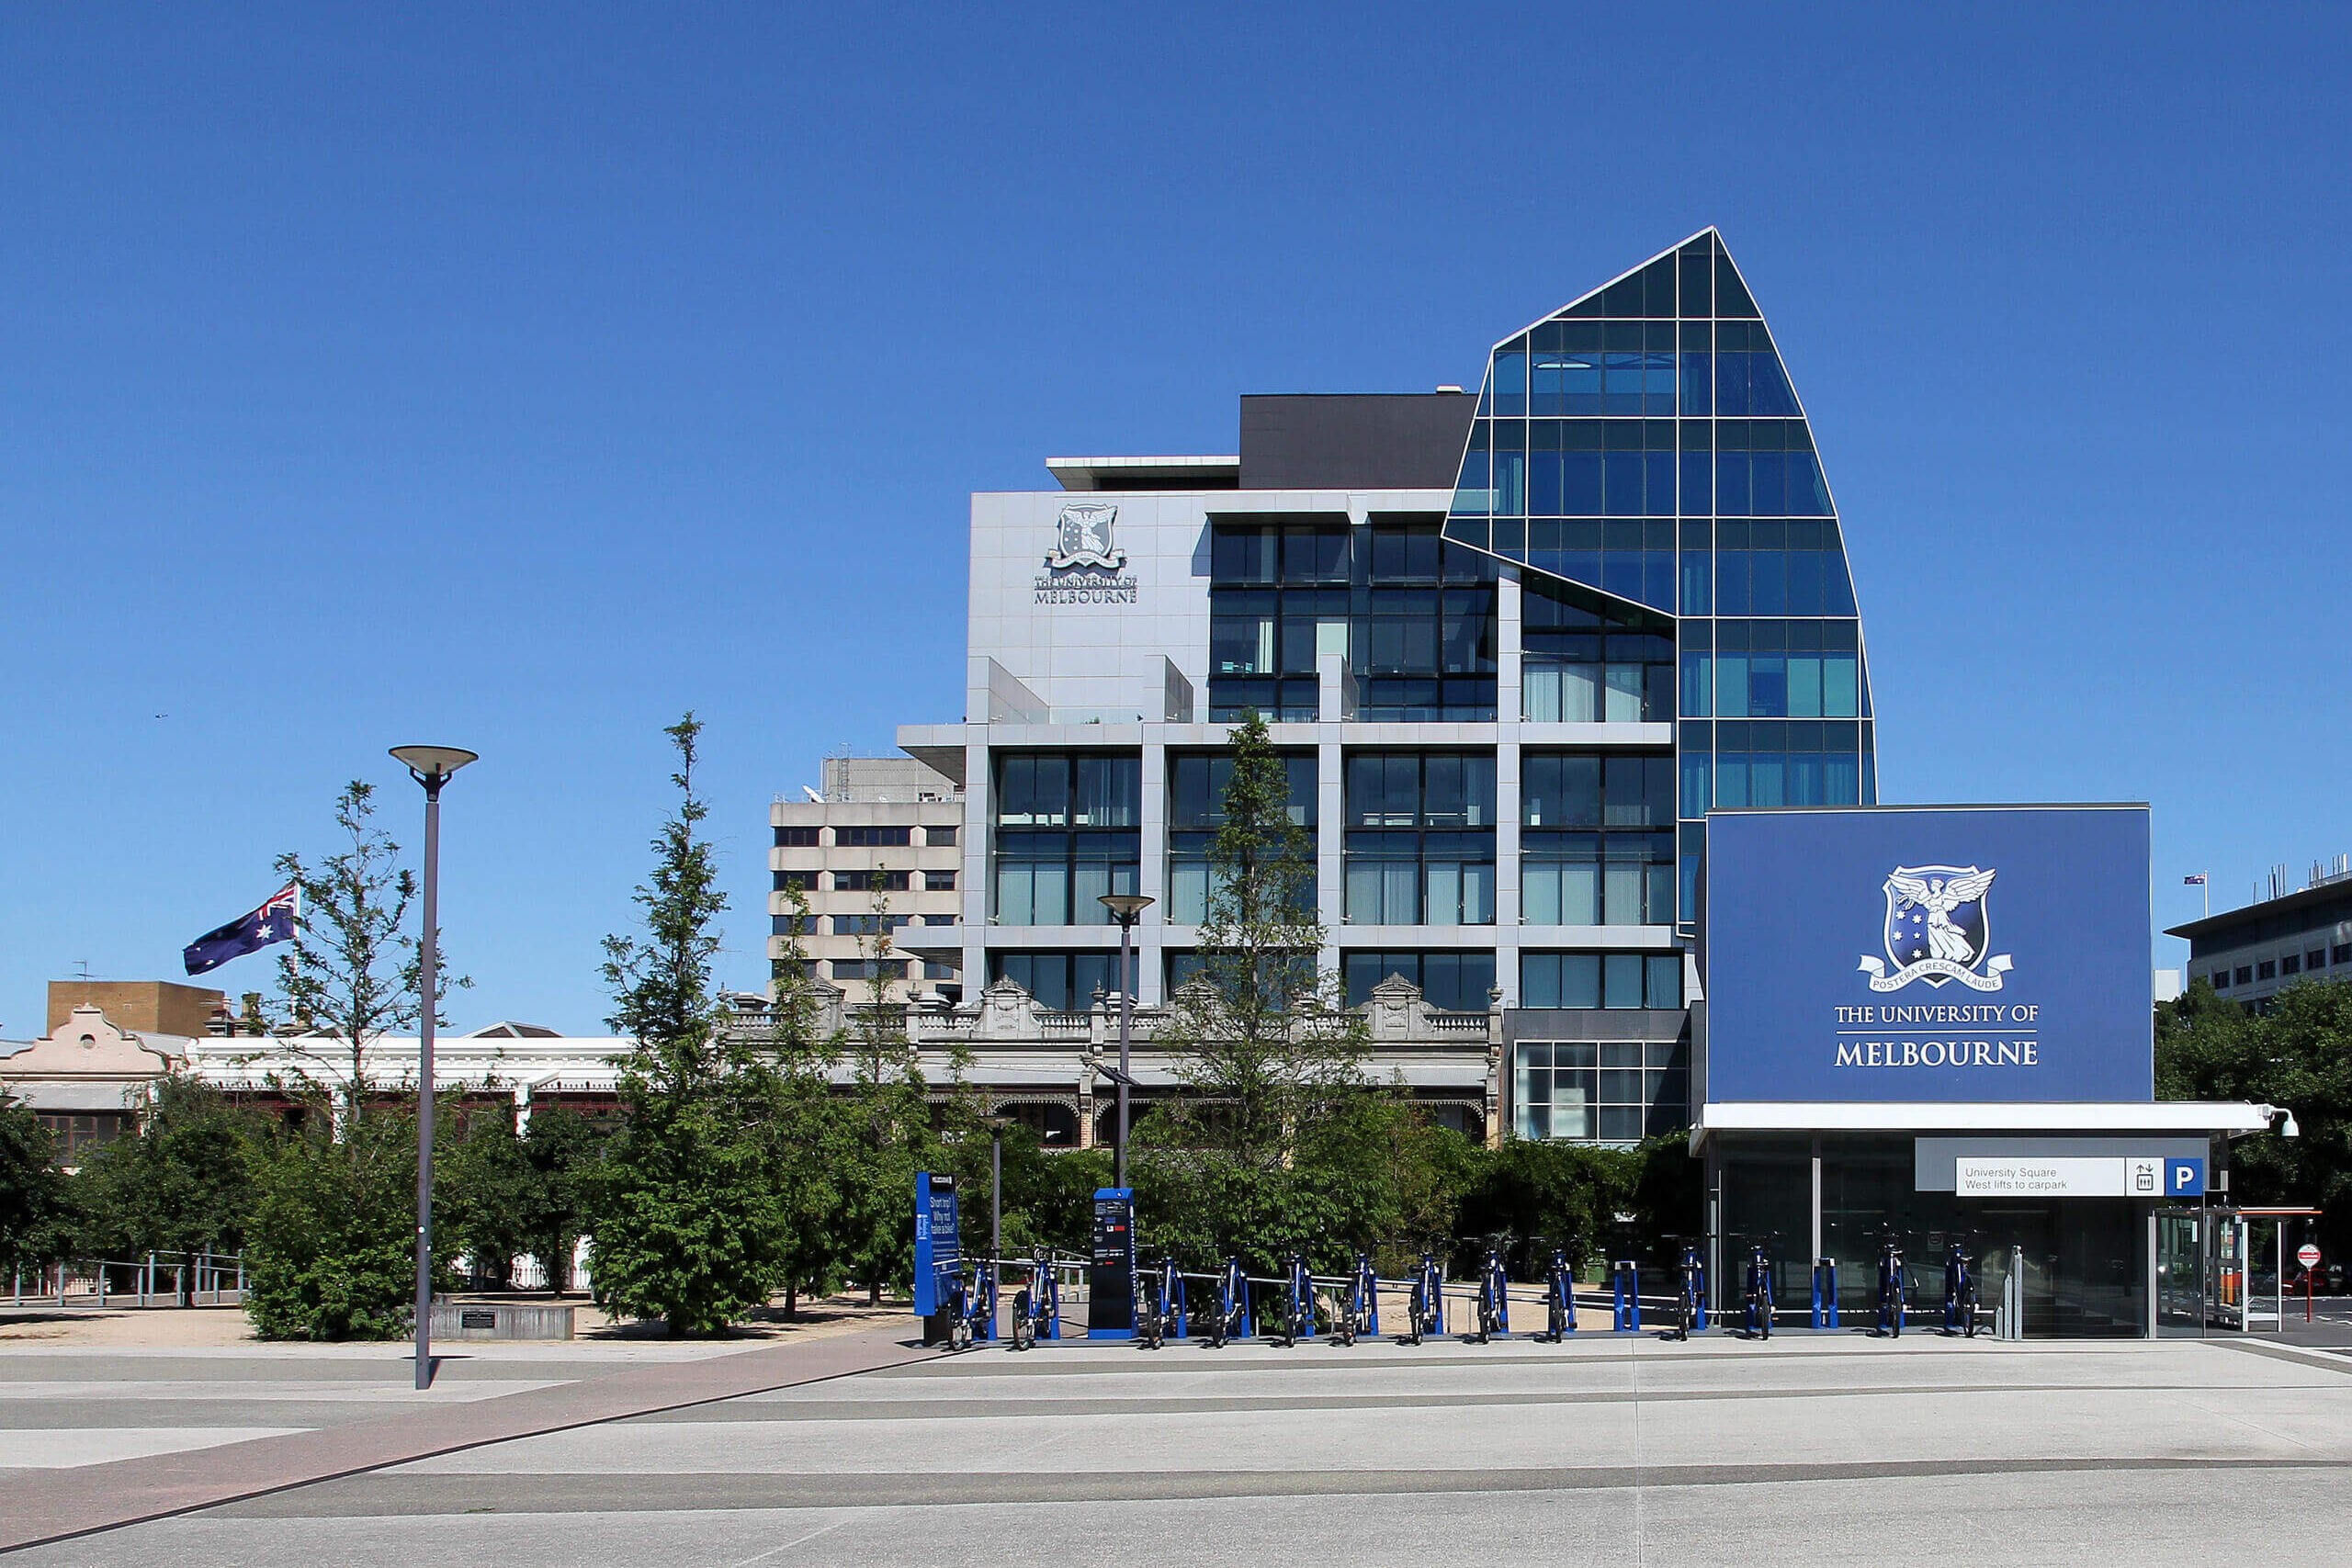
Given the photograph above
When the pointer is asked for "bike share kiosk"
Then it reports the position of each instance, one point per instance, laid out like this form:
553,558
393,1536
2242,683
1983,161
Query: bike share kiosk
1927,1022
939,1255
1111,1267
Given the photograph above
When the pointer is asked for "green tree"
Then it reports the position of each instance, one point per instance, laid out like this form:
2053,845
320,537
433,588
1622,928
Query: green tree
2297,1055
888,1128
807,1132
331,1243
561,1147
1266,1149
182,1183
351,974
33,1199
686,1225
485,1189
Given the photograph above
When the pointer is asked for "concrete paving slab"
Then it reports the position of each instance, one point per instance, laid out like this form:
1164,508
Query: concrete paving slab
62,1503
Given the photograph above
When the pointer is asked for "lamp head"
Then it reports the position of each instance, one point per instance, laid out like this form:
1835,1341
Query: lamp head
432,765
1125,907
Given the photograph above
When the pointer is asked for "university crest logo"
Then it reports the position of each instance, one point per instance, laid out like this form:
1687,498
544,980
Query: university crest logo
1938,930
1083,538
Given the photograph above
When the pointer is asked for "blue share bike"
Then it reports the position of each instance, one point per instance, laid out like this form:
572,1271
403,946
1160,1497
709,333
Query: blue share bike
1358,1310
1494,1295
1298,1315
1427,1311
1036,1307
1893,1290
1231,1319
1690,1295
1159,1304
1758,1296
973,1307
1960,1290
1559,1294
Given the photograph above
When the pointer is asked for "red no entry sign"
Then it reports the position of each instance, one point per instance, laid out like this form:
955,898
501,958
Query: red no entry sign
2307,1255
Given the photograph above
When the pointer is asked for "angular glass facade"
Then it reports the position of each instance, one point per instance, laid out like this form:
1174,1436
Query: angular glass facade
1643,455
1514,647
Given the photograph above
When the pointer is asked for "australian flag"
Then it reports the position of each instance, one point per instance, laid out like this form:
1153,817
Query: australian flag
274,922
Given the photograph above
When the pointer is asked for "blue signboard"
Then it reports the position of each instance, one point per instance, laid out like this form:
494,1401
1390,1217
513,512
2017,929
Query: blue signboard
1928,953
939,1249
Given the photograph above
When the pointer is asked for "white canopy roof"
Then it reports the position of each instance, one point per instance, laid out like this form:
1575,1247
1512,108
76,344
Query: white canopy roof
1983,1116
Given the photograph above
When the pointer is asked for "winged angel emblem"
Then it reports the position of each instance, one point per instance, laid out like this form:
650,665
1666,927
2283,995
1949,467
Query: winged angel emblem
1937,928
1082,537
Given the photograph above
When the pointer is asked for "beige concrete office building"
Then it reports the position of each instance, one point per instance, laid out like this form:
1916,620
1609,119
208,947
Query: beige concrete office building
876,851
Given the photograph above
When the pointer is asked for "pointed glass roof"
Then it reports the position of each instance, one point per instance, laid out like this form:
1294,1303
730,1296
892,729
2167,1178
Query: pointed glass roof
1656,398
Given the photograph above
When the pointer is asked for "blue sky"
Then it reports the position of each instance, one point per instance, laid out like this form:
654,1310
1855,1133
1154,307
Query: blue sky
519,377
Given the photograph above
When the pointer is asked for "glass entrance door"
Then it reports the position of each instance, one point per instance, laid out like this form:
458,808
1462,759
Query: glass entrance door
2180,1273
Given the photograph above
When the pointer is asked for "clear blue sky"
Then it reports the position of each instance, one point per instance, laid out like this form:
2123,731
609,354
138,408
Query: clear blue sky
517,378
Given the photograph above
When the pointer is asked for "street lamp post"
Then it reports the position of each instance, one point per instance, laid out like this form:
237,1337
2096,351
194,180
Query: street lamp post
997,1123
1125,909
430,766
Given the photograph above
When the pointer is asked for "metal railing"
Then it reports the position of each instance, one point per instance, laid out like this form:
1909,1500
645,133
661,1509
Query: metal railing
159,1280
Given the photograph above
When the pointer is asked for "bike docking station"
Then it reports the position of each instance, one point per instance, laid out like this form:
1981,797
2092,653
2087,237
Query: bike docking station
1824,1293
1110,1267
1625,1288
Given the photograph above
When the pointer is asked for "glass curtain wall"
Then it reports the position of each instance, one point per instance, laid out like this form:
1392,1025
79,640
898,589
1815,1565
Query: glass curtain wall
1597,839
1586,662
1420,842
1196,784
1067,832
1062,982
1645,443
1616,1091
1413,616
1455,981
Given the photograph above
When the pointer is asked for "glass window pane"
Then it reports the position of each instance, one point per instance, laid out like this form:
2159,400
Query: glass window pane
1622,976
1580,980
1539,899
1665,980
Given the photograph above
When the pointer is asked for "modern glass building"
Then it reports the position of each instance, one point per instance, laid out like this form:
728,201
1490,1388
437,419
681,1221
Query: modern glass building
1515,643
1642,457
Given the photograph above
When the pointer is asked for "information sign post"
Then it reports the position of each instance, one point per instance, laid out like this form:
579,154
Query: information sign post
1111,1271
939,1253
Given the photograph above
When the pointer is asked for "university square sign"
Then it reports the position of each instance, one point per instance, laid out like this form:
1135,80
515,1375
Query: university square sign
1928,953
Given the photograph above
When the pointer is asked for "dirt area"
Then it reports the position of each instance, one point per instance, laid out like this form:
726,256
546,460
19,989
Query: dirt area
176,1329
156,1328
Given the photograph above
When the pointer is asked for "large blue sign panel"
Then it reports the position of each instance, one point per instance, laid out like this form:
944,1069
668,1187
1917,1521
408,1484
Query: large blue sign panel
1928,953
939,1245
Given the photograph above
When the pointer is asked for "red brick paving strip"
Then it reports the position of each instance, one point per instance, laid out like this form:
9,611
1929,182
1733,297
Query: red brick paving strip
46,1505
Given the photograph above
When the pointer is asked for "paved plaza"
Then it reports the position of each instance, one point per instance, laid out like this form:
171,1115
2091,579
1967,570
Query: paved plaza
1609,1450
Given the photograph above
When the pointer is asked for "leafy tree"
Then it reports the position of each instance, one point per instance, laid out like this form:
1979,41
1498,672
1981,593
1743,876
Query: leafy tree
561,1148
485,1189
352,967
686,1225
331,1244
33,1190
182,1183
889,1131
807,1130
2297,1055
1250,1157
